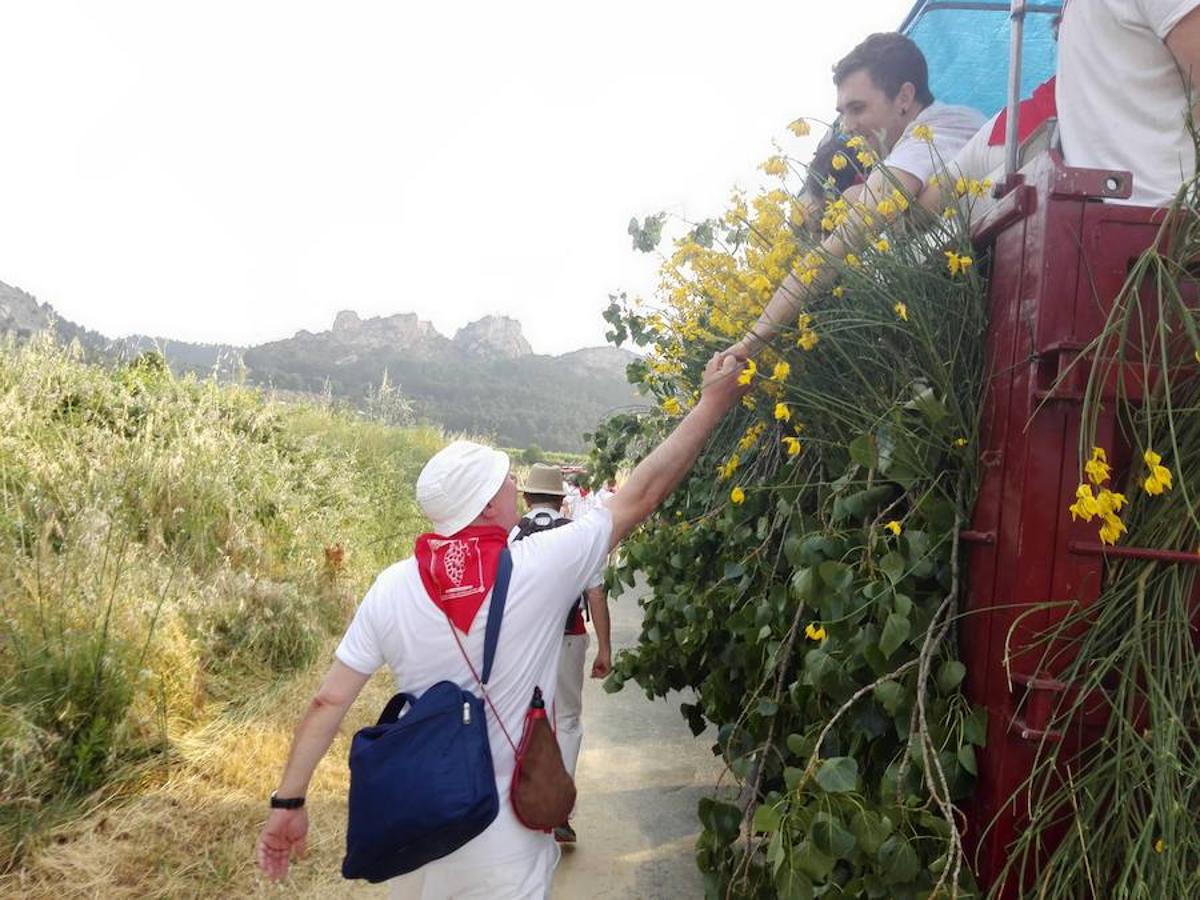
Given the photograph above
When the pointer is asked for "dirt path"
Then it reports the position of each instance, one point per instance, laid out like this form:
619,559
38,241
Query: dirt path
640,776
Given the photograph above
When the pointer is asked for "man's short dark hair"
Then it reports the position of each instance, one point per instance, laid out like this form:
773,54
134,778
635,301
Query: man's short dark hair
891,59
547,499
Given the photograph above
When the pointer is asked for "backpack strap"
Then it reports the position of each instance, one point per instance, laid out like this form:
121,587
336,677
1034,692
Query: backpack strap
491,637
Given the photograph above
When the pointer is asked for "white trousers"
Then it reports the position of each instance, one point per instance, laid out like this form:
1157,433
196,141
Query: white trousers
568,698
524,878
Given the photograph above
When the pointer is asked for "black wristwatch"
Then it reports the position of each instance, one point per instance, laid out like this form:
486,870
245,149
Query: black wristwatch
286,802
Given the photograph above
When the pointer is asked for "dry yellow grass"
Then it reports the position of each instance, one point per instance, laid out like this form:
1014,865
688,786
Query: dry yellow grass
187,828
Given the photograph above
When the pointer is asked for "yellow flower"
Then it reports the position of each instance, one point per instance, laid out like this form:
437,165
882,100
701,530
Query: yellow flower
792,444
748,372
894,527
808,339
856,143
1097,467
979,188
1085,506
671,407
853,261
1111,530
750,438
814,632
839,291
800,128
886,208
901,311
737,496
782,413
781,371
1108,503
776,165
961,186
725,470
882,245
956,263
1159,479
899,199
1160,845
839,162
960,442
949,212
1197,355
866,157
923,133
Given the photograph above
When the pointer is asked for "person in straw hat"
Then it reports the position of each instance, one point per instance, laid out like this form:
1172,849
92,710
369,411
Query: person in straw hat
543,493
470,497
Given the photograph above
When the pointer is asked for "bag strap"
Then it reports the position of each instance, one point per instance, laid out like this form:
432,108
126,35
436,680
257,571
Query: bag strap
491,636
391,712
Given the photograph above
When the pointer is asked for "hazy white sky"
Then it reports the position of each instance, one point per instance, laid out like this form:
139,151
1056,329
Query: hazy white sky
235,171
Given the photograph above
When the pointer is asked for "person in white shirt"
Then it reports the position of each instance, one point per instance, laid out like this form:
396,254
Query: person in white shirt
883,98
543,495
408,620
1126,69
607,492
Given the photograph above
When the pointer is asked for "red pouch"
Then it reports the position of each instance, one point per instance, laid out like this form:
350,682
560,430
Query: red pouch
543,793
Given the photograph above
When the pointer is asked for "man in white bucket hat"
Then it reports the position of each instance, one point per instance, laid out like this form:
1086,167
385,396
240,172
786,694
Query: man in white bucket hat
471,499
543,493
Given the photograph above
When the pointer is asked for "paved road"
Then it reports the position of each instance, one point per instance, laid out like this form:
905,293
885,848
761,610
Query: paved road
640,776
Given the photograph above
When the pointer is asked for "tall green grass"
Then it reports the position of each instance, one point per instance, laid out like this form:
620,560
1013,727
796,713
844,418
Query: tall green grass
167,542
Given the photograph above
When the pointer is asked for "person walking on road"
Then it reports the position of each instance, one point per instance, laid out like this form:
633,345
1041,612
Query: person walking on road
467,492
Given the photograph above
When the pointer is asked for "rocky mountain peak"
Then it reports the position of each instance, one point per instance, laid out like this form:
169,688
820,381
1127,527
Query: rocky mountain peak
21,314
493,337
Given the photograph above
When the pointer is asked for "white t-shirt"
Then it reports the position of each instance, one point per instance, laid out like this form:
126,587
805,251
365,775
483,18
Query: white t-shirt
398,625
1121,103
952,127
579,505
555,516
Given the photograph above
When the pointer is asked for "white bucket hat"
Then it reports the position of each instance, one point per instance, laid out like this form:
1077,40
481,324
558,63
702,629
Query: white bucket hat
457,483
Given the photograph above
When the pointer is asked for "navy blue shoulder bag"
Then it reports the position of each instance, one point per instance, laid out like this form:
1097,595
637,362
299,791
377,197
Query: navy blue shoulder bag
423,785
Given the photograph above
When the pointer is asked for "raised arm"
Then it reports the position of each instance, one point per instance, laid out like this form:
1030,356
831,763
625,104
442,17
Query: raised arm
658,474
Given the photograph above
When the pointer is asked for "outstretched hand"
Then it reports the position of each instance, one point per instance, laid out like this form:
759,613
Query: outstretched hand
720,383
284,834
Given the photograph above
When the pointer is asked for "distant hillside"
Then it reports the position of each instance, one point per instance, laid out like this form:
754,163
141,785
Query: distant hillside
485,380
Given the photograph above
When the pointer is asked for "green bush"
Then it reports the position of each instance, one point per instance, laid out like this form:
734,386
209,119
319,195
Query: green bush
170,539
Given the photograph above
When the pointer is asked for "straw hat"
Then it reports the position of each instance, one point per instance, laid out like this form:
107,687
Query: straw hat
458,482
544,479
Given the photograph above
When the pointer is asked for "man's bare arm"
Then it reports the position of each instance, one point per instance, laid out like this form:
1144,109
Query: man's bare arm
660,473
597,600
1184,44
286,830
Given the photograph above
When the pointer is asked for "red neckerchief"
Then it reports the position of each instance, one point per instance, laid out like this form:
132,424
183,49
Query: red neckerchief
583,492
1030,114
458,571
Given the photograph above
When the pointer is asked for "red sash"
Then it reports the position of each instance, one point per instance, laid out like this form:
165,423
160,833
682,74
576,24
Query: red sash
458,571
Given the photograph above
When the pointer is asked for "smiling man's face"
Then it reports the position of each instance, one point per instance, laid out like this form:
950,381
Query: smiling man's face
867,111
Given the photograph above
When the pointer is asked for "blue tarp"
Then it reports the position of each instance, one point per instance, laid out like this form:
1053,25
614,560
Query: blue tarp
966,46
